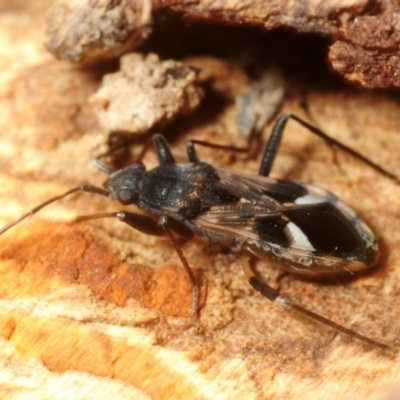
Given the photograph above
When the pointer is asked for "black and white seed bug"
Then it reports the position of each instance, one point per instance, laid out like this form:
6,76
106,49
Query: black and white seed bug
302,228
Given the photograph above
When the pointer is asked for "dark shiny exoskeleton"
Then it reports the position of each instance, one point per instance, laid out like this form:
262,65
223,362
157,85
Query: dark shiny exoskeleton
305,228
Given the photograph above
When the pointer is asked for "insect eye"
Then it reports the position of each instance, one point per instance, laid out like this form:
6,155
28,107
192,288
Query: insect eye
126,196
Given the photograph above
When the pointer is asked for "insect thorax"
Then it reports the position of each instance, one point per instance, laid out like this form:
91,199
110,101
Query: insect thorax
182,191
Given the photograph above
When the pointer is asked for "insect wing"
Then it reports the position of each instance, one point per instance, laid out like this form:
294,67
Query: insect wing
306,228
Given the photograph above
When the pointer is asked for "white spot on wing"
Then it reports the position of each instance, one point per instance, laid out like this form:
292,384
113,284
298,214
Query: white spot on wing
297,238
309,199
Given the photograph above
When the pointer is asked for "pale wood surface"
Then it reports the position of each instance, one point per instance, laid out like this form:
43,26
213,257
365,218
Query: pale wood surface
100,311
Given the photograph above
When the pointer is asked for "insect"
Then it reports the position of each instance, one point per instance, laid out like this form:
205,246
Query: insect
302,228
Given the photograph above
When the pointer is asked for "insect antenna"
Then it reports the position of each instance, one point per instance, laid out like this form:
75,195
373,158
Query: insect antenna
276,298
81,188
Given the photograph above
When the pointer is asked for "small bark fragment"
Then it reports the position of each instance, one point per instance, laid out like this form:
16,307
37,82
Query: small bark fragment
86,31
146,92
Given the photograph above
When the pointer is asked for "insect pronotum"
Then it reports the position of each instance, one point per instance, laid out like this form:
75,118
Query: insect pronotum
304,229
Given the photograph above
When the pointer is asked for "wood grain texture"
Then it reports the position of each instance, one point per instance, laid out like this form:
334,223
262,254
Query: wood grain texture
96,310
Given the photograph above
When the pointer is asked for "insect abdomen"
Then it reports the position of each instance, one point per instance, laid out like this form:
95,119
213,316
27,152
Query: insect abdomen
318,233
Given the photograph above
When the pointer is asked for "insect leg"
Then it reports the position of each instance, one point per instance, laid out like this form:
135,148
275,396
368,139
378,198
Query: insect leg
140,222
118,153
274,141
162,150
149,226
195,297
272,145
82,188
274,296
192,154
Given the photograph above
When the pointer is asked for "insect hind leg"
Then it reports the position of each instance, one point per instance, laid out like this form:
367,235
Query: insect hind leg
275,297
275,138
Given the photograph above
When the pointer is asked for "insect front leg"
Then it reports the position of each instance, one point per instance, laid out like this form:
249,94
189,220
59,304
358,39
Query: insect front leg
162,150
118,151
